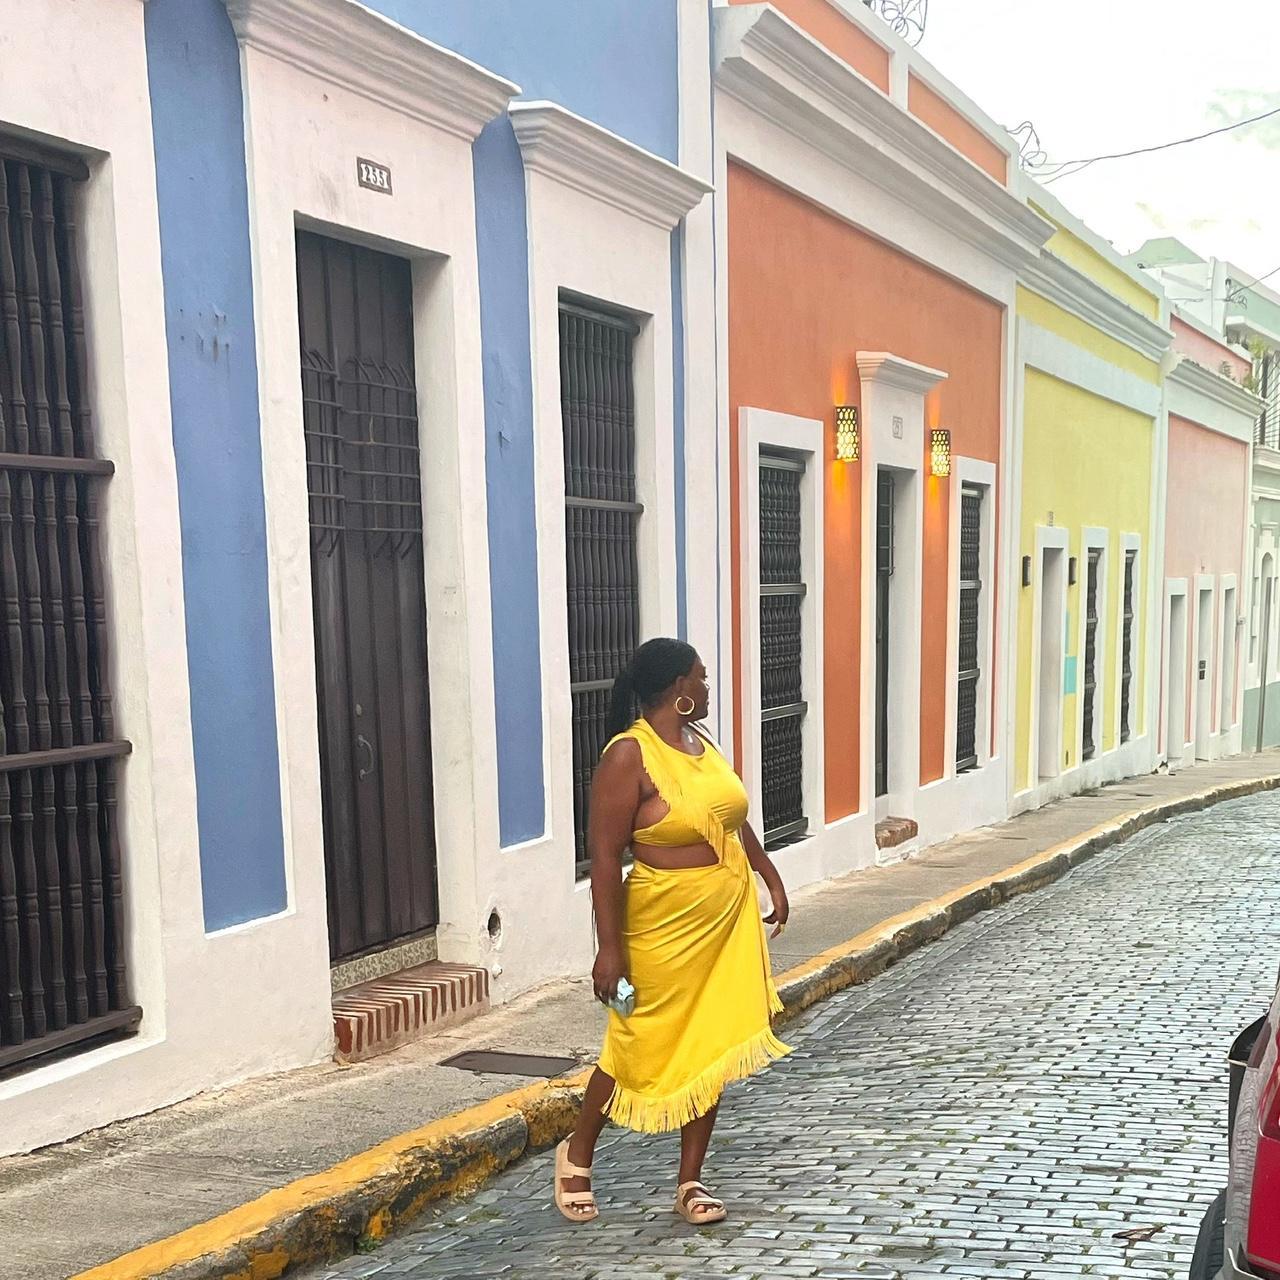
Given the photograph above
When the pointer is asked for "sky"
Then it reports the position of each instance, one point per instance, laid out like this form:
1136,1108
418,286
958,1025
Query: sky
1103,77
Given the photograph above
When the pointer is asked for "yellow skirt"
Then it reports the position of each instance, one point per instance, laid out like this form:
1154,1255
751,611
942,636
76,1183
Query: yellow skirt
699,962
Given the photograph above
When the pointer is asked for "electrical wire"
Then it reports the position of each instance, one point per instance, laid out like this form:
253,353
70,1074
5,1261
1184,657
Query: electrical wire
1258,280
1068,168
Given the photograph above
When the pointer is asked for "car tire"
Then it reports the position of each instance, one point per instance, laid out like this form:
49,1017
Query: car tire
1207,1260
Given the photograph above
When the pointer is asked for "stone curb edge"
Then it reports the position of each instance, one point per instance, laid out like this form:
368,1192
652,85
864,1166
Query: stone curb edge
360,1201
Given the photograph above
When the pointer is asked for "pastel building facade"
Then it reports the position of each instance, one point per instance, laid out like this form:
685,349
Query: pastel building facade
1211,425
374,377
868,249
1223,304
1088,567
396,315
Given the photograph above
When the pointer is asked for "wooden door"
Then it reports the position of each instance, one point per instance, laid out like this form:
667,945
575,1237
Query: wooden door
368,583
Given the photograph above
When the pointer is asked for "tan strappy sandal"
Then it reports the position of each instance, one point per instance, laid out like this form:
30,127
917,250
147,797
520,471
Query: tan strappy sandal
577,1206
699,1210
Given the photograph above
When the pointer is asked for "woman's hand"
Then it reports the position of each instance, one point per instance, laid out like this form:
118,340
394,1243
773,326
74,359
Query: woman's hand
608,971
781,909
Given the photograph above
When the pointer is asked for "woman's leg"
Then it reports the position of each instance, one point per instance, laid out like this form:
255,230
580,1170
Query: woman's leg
591,1122
695,1137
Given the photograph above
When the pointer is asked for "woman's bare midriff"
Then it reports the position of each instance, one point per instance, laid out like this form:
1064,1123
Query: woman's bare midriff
681,858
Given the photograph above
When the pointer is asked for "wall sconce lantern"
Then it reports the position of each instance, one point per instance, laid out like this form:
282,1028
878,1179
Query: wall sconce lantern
847,433
1026,571
1073,571
940,439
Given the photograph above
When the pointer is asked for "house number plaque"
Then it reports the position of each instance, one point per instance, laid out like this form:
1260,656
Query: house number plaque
376,177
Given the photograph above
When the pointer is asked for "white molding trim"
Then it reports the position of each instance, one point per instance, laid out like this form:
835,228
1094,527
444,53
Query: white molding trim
1205,384
773,67
1042,349
1057,538
429,221
763,429
1073,291
1173,589
894,371
1040,197
600,253
1230,631
590,159
346,44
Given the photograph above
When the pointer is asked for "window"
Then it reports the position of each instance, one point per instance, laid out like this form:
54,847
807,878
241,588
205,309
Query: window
62,938
1267,386
970,627
1089,745
1126,648
601,517
782,593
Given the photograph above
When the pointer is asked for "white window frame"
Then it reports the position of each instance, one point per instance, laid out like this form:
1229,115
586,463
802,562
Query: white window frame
1228,682
762,429
975,473
99,47
1053,538
600,212
1129,542
1093,538
1173,589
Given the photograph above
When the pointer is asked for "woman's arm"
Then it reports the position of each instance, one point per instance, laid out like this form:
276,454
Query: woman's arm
762,864
615,797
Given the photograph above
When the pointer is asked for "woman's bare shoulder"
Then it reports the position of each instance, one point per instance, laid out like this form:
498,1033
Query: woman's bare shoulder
622,755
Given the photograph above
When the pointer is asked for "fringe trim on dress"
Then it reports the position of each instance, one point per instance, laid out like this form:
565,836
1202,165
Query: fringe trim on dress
775,1000
661,1115
667,785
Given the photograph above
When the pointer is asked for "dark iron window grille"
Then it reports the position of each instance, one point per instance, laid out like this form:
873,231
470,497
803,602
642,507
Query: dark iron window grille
782,703
1089,746
602,514
885,518
62,929
1266,381
1126,649
970,628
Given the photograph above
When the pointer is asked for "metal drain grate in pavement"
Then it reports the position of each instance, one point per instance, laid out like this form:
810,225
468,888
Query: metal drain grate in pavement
489,1062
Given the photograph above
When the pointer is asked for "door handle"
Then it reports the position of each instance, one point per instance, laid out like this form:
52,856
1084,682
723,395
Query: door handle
363,744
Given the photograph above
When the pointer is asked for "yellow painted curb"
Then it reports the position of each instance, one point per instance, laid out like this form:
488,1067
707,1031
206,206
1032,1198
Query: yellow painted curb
247,1220
239,1226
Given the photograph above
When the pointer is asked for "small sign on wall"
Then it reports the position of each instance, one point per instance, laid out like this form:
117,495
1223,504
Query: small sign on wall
376,177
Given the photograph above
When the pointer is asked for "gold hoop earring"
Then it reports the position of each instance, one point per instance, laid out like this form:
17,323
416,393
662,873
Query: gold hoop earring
685,711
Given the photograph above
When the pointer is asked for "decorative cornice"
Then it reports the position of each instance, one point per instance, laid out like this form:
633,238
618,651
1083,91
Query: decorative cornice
893,371
1073,291
590,159
773,67
1195,377
349,45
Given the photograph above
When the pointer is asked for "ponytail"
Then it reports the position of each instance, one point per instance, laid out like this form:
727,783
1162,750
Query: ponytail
656,666
622,705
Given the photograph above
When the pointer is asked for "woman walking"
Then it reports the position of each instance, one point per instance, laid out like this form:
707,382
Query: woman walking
685,930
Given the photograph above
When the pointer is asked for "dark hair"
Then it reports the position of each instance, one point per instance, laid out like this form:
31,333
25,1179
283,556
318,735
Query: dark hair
657,665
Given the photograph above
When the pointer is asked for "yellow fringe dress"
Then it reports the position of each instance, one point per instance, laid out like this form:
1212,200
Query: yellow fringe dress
696,952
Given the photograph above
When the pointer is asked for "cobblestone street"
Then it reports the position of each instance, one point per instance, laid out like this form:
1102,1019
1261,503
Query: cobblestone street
1000,1105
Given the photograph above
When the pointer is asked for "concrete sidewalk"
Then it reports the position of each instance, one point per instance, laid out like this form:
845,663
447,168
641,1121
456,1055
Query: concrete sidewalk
263,1178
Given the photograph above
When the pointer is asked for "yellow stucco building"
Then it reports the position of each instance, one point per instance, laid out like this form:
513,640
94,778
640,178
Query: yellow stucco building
1089,346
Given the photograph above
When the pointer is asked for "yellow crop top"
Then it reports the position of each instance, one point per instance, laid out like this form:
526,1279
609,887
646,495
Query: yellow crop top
705,798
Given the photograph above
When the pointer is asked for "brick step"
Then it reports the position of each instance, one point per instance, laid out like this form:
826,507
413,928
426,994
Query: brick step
891,832
376,1017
